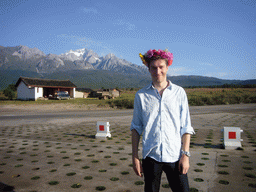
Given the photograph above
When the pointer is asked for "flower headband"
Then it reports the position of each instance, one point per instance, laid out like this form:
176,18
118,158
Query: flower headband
160,54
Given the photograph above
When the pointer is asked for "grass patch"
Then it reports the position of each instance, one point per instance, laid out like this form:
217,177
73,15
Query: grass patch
166,185
100,188
35,178
198,180
114,179
71,174
139,183
250,175
125,172
77,185
198,170
224,182
224,155
223,172
19,165
253,185
222,166
247,162
248,168
226,160
88,178
53,183
200,164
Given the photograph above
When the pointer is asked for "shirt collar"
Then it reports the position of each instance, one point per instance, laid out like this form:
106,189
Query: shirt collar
152,86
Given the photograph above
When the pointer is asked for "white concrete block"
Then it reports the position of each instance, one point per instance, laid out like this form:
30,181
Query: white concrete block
102,129
232,137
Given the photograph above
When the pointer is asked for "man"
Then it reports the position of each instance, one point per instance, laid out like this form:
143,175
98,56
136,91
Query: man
161,114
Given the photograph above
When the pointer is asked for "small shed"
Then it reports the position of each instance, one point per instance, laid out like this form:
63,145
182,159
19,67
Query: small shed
83,92
34,88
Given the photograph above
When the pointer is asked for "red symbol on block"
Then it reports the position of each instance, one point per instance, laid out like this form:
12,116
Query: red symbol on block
101,127
232,135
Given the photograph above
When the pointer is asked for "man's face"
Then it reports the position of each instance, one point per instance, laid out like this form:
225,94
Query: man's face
158,70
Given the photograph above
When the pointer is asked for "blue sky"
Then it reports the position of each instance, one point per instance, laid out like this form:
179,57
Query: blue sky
207,37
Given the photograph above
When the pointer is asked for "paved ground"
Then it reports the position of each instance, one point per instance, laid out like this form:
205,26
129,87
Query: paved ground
58,153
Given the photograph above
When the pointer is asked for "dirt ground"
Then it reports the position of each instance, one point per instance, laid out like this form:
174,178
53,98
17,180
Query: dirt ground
60,156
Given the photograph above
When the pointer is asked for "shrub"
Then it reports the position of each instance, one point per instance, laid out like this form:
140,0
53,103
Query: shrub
9,92
122,103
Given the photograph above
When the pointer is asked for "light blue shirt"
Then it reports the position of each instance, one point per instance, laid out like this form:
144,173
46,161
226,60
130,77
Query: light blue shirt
162,121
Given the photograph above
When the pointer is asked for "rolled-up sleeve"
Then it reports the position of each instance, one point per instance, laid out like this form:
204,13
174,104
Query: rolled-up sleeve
185,121
137,123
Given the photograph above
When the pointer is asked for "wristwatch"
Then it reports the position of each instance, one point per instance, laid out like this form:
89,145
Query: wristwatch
187,153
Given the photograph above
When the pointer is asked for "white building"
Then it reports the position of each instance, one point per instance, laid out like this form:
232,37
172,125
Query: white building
33,88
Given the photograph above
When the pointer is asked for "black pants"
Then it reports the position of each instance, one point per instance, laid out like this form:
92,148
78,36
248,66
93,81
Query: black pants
153,172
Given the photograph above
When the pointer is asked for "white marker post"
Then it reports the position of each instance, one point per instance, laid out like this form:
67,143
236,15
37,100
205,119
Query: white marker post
102,130
232,137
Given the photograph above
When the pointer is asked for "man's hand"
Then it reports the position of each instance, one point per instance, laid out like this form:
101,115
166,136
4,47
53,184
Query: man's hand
135,158
137,166
184,164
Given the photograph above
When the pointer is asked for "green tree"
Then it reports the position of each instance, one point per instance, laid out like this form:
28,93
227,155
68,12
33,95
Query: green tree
9,92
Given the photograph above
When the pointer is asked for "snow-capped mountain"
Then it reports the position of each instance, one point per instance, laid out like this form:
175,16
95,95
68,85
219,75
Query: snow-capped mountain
81,59
25,53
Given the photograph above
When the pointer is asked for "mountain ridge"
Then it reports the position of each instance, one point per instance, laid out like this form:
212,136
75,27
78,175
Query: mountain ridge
82,59
85,68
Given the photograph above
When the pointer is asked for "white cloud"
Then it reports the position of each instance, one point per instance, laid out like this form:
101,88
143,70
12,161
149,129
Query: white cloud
127,25
174,71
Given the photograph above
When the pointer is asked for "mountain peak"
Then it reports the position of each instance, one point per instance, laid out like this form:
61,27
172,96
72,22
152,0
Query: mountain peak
78,52
25,52
109,56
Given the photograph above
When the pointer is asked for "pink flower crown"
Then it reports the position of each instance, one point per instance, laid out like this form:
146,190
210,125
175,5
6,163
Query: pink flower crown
154,53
